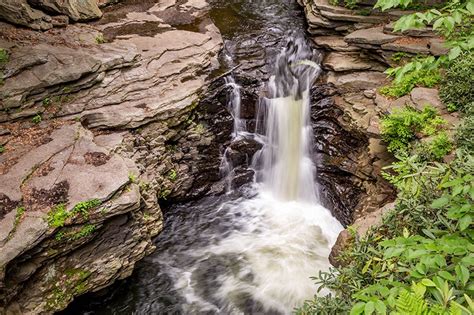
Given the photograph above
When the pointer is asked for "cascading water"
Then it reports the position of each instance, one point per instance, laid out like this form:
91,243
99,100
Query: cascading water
288,169
253,254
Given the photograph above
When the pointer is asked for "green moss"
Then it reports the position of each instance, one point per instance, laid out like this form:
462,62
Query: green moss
65,288
58,215
4,57
172,175
132,178
83,207
2,149
75,234
399,56
36,119
99,39
164,194
46,101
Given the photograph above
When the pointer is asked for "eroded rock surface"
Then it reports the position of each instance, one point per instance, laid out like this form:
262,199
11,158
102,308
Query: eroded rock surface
101,123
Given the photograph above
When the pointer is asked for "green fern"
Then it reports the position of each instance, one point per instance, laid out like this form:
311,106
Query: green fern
410,303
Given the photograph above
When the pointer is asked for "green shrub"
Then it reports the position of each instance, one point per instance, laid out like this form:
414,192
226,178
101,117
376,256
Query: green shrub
465,133
59,214
402,126
36,119
424,78
456,88
419,261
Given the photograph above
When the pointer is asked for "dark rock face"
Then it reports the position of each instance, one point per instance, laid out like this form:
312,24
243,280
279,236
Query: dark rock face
337,151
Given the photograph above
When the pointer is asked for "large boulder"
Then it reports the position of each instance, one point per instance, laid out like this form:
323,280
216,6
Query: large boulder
19,12
77,10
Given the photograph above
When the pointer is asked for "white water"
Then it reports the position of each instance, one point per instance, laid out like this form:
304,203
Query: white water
285,235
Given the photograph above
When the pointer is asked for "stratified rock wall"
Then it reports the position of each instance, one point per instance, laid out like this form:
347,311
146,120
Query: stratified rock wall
99,124
358,45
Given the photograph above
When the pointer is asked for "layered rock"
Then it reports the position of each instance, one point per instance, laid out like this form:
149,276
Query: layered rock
358,45
100,124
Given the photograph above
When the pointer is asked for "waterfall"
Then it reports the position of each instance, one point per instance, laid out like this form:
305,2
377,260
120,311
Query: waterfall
288,170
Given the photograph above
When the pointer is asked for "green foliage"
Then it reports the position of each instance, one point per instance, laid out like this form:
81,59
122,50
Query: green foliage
456,88
465,133
4,57
58,216
399,56
403,126
99,39
172,175
85,231
350,4
420,72
132,178
164,194
83,207
36,119
420,260
2,149
46,101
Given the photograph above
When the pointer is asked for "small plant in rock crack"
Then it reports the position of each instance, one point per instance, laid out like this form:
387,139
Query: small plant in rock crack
36,119
172,175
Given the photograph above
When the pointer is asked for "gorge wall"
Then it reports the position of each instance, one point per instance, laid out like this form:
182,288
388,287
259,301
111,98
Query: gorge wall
99,124
358,46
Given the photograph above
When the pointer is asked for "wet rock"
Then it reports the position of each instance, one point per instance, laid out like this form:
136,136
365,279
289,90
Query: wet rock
361,227
240,152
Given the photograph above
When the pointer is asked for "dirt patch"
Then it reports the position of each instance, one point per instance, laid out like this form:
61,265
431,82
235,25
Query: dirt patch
43,170
23,134
6,205
45,199
96,158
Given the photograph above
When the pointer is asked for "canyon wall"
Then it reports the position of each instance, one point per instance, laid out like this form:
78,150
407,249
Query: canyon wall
358,46
100,123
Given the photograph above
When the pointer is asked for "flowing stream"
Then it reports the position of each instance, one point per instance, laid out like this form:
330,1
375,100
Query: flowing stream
251,252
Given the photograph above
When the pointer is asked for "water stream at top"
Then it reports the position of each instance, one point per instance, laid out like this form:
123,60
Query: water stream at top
253,254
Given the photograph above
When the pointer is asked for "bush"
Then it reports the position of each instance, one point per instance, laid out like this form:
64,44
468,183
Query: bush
465,133
404,125
456,89
425,78
419,260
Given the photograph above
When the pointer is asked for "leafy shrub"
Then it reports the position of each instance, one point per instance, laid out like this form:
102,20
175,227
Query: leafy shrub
421,72
36,119
403,125
465,133
58,215
419,260
456,89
